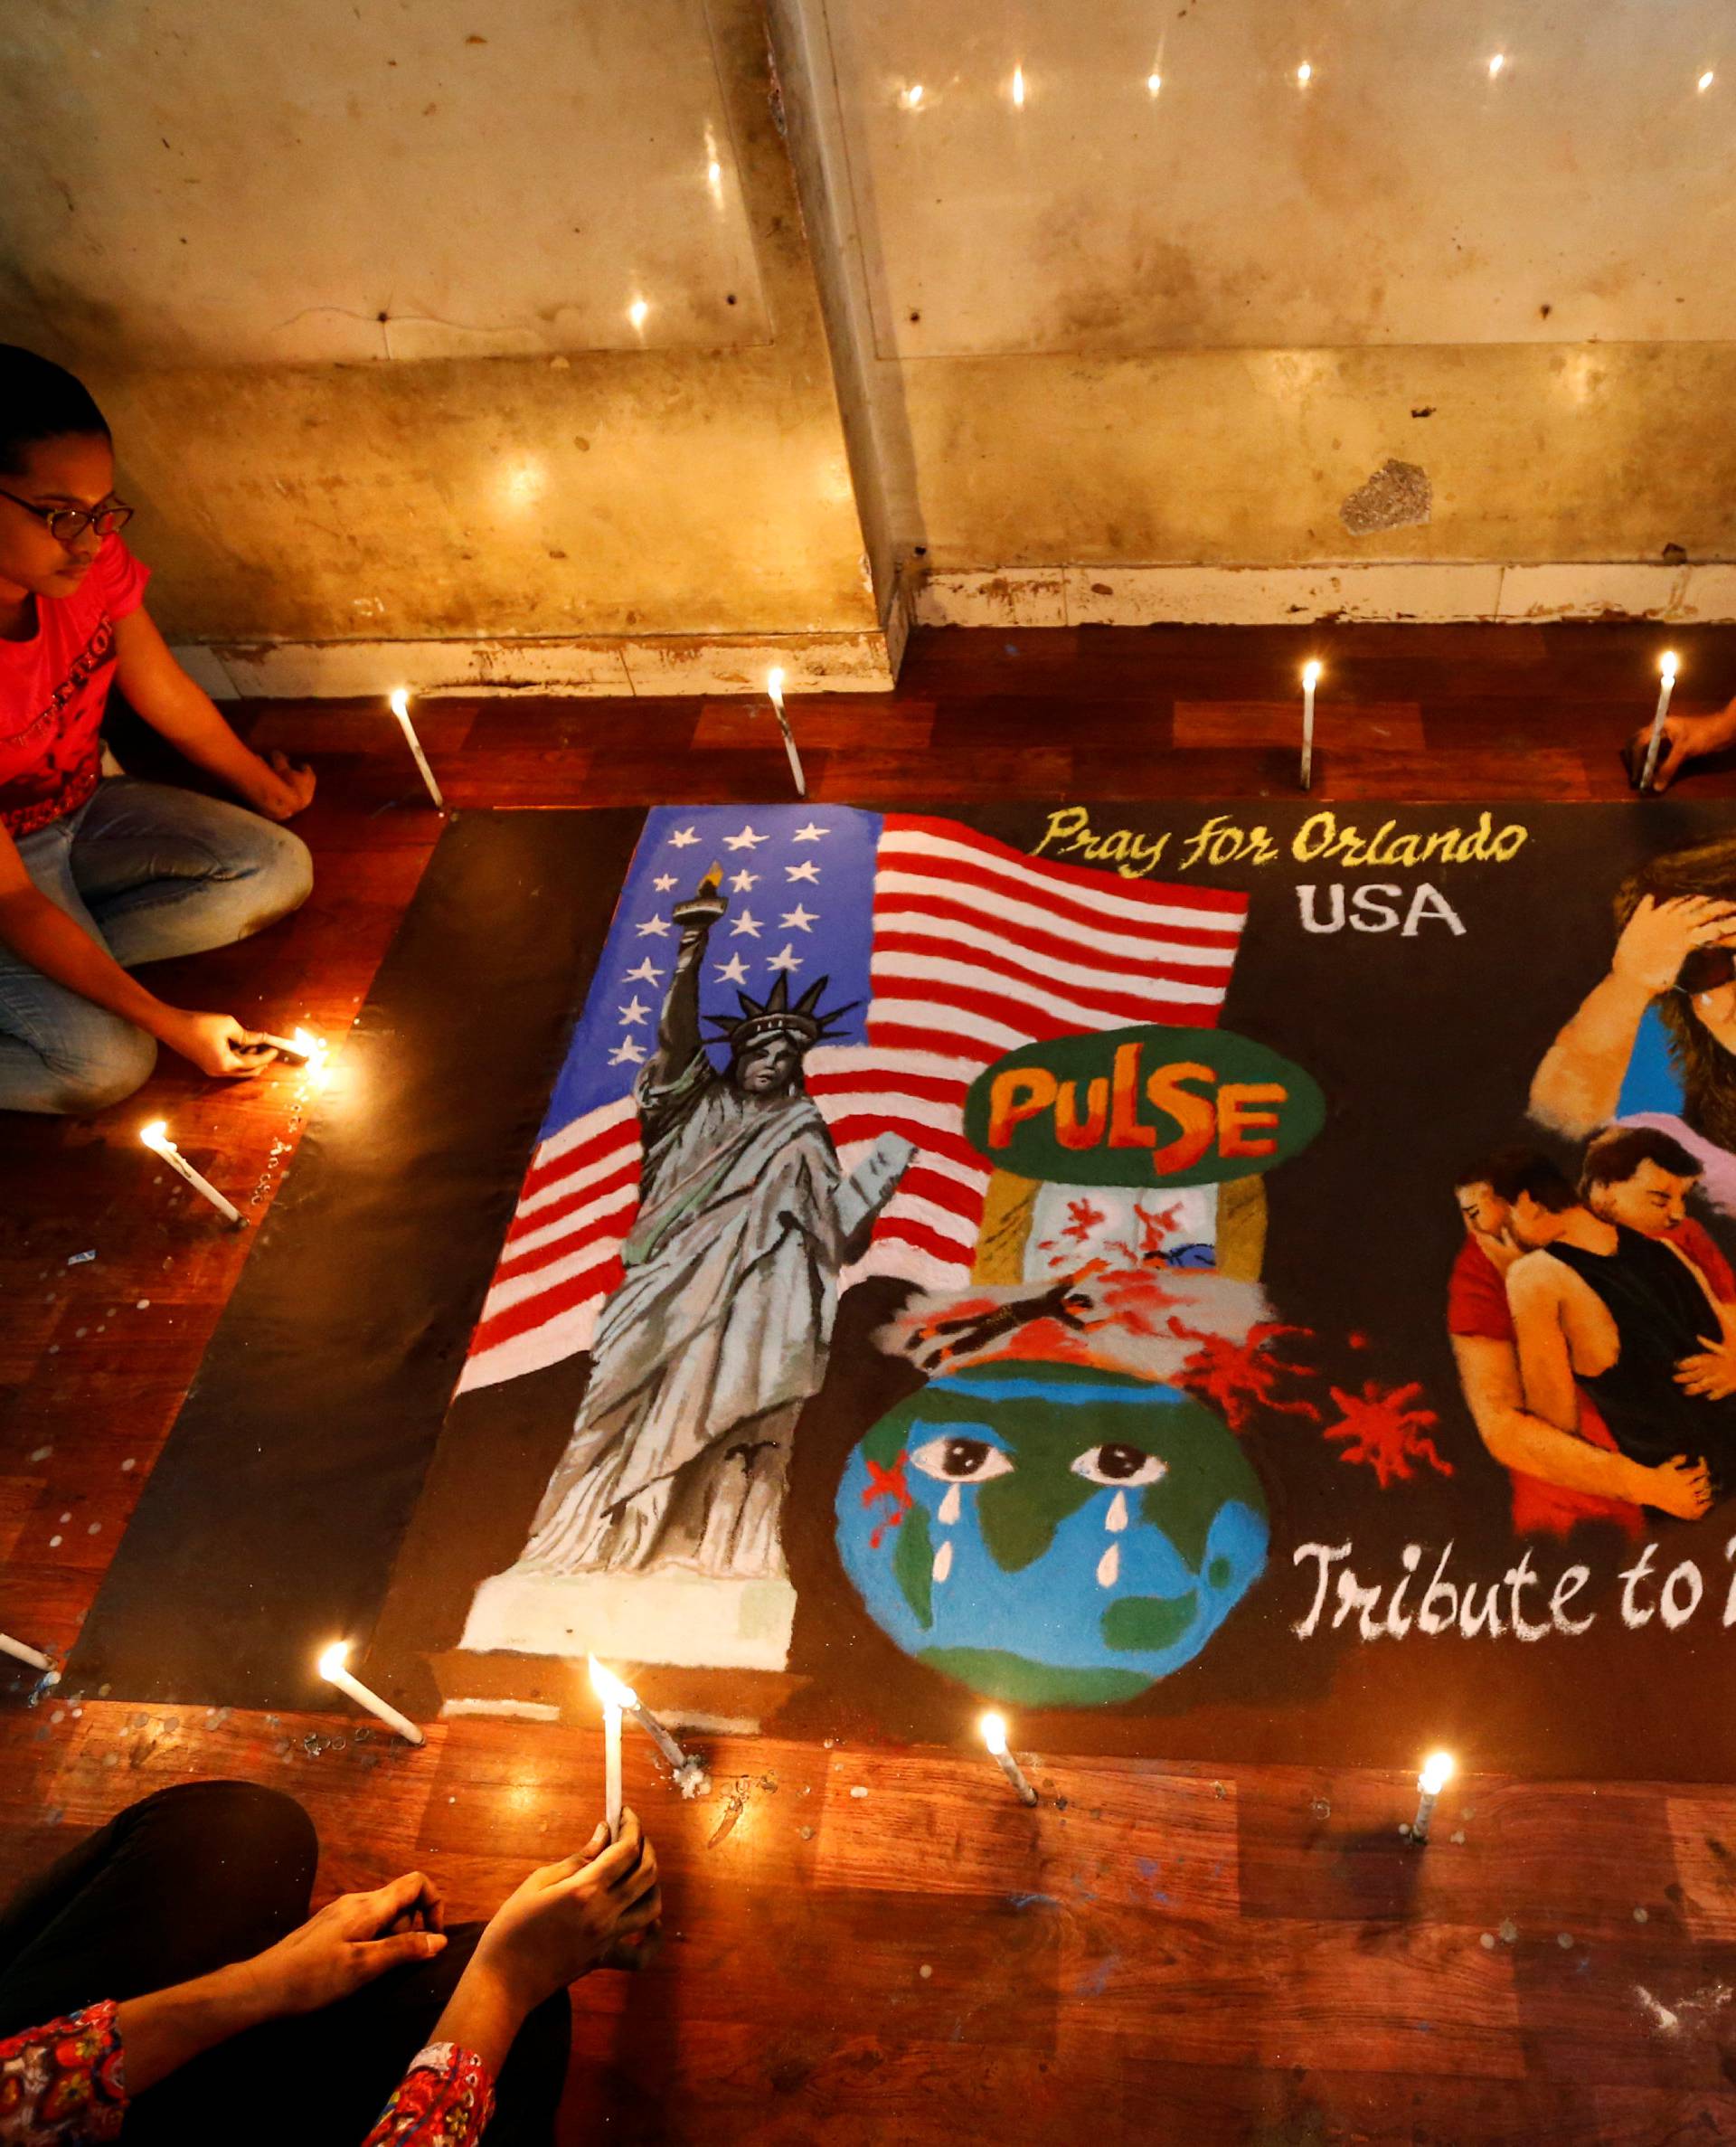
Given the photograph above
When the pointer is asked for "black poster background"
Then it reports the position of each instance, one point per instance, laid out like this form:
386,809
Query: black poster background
297,1479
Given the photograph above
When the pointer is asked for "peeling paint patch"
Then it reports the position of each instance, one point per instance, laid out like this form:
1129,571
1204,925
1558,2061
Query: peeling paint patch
1397,496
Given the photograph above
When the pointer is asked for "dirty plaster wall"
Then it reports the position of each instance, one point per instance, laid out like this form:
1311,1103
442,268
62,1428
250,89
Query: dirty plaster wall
1150,298
1532,454
303,470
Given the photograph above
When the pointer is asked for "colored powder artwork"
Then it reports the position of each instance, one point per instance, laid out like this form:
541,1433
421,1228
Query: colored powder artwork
1074,1534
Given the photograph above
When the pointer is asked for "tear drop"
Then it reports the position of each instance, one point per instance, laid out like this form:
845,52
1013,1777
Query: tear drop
943,1561
1109,1567
1116,1519
949,1505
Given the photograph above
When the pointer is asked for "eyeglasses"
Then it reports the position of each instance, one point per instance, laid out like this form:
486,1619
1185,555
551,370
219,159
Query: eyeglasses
66,525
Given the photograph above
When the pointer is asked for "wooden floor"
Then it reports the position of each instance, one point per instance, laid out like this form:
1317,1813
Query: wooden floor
1155,1954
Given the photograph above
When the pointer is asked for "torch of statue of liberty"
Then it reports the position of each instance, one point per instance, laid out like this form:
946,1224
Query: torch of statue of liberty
706,1353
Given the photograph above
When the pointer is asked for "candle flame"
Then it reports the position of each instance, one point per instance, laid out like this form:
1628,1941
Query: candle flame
1018,86
637,312
1496,64
155,1135
316,1051
401,702
993,1728
1304,74
775,682
1437,1770
1706,80
334,1659
1311,674
1153,83
609,1688
1667,664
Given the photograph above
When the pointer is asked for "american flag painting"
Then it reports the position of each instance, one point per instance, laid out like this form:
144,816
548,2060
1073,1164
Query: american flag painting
949,949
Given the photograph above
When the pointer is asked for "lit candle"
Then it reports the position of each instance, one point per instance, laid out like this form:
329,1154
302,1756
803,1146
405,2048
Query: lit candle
303,1049
1496,64
1304,75
313,1051
401,709
995,1737
32,1655
775,688
1666,687
1436,1772
1310,679
331,1667
608,1689
1018,87
155,1137
689,1770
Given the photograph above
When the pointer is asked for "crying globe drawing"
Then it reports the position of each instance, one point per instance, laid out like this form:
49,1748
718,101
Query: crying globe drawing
1052,1535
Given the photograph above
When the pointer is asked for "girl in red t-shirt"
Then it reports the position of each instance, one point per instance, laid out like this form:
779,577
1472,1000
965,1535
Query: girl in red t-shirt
99,875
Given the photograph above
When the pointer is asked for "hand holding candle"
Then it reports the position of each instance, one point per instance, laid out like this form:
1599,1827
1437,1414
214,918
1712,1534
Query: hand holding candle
1666,687
1436,1772
401,709
993,1728
301,1049
331,1667
155,1137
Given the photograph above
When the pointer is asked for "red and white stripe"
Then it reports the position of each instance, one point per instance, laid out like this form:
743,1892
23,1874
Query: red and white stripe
976,950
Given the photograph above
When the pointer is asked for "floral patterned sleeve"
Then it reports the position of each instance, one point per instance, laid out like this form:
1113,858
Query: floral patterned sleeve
62,2083
444,2100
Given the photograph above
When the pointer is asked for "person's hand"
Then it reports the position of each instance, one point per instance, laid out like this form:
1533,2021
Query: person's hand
1712,1373
217,1044
1681,1487
351,1941
1659,936
598,1908
1684,738
282,788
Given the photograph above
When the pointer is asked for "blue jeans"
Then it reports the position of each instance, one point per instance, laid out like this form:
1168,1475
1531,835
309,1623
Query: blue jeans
149,872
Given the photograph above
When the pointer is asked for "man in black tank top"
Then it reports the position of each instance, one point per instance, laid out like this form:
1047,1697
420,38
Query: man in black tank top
1597,1303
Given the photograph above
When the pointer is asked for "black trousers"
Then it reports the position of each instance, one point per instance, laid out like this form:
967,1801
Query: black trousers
209,1873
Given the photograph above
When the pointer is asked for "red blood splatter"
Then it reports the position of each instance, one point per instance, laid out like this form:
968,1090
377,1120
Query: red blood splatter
1153,1229
1386,1429
1237,1378
891,1484
1083,1218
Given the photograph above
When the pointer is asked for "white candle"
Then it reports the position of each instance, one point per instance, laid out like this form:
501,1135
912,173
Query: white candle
612,1768
32,1655
775,688
401,709
331,1667
1436,1772
995,1737
1310,679
1666,687
155,1137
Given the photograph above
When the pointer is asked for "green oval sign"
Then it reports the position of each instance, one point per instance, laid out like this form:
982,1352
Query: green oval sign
1174,1107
